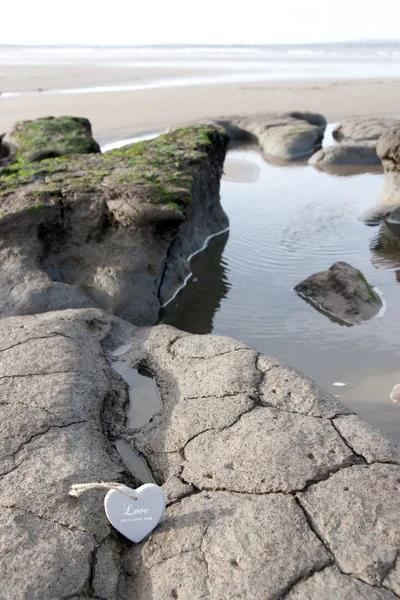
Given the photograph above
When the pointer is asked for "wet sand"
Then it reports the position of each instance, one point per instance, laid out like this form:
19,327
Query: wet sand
119,114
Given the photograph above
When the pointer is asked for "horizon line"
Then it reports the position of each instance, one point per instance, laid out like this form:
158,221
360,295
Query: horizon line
208,45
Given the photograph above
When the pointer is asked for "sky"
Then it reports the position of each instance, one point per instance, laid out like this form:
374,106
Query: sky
135,22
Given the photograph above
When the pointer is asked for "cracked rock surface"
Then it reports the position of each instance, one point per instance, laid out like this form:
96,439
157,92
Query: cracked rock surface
275,490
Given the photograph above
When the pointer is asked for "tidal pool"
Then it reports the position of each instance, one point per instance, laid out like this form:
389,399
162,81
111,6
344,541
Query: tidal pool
287,222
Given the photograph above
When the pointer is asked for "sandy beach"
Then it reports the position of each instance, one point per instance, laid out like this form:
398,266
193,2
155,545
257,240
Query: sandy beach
147,93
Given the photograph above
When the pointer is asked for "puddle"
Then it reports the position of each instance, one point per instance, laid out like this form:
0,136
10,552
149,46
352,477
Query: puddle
144,397
134,461
122,350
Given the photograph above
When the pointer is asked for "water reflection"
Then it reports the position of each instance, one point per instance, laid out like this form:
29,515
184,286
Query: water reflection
144,397
385,249
196,304
285,225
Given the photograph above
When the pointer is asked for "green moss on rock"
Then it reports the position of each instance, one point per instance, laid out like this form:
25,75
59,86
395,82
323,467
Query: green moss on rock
370,289
51,137
164,166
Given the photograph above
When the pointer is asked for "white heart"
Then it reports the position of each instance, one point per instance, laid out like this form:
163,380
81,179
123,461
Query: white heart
135,519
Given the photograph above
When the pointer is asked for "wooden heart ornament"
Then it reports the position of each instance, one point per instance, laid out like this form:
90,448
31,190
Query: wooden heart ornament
135,519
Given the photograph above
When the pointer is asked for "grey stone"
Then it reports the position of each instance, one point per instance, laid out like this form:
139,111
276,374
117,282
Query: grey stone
346,153
222,545
392,579
41,558
282,137
367,441
331,584
363,128
300,448
342,293
289,390
63,410
356,513
388,149
107,569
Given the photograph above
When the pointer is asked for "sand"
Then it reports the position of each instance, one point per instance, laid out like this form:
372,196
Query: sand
116,115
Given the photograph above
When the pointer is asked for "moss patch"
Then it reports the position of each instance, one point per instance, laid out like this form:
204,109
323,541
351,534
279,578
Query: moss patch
52,137
166,165
370,290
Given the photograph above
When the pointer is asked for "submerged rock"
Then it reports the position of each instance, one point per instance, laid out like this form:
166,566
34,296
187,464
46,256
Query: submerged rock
343,292
388,149
49,138
112,230
231,421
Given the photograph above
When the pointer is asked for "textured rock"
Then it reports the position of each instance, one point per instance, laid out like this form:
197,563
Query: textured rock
286,389
111,230
40,558
48,138
331,583
388,149
363,128
300,449
367,441
392,579
234,541
255,424
342,292
347,153
282,137
358,147
356,512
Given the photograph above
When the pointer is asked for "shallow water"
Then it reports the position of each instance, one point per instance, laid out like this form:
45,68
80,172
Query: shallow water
144,397
285,224
169,67
134,461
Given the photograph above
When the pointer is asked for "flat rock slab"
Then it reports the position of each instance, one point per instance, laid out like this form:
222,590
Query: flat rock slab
356,511
300,450
274,489
234,541
331,583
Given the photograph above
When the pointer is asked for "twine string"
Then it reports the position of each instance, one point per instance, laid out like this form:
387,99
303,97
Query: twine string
79,488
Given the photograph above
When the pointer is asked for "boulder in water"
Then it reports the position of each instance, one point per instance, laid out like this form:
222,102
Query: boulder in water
343,292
